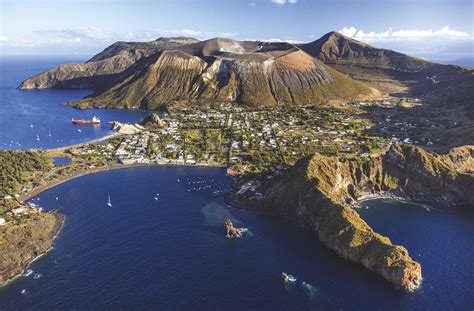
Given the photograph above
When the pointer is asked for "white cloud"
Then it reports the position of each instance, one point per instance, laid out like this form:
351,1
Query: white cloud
83,32
252,4
98,35
348,31
275,40
282,2
280,40
3,38
193,33
413,34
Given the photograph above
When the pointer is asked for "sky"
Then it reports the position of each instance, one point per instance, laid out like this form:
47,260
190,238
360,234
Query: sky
432,29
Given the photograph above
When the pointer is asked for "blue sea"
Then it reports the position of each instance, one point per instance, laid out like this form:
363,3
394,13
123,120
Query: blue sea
162,245
24,115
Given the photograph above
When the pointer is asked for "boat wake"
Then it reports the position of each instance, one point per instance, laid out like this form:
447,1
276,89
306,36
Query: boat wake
37,276
28,273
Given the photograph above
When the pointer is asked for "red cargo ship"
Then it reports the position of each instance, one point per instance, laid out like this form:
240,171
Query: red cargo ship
94,120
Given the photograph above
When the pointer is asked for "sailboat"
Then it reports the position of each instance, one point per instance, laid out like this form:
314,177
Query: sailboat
37,137
109,203
31,125
49,134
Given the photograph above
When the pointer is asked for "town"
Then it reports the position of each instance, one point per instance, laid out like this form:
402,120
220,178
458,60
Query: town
255,144
245,140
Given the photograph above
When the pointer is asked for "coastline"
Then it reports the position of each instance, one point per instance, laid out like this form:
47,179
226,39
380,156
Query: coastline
58,225
93,141
53,183
27,196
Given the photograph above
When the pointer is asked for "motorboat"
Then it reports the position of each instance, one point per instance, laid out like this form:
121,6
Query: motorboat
288,278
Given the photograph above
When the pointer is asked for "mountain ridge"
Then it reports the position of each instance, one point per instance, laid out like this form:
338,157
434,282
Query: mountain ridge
250,73
336,48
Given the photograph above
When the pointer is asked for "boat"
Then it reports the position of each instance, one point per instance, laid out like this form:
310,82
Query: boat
217,193
49,134
31,125
28,273
37,137
288,278
94,120
109,203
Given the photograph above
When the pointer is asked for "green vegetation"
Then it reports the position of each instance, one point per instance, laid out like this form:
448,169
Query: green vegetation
17,168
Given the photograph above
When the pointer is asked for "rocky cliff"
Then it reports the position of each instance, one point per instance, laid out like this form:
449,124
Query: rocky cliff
21,243
318,192
461,159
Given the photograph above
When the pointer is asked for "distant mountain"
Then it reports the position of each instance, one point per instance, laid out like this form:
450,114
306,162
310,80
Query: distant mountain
104,68
335,48
160,43
448,89
91,75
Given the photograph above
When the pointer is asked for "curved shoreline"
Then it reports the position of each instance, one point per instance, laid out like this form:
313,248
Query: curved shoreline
78,174
63,179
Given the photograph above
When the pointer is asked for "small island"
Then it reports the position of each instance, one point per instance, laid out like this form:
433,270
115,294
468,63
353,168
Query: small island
231,231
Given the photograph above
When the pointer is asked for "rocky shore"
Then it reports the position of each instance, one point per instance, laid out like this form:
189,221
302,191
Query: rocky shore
23,242
318,193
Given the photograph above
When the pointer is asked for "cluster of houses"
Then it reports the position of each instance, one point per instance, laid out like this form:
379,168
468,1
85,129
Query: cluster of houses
30,208
133,149
280,129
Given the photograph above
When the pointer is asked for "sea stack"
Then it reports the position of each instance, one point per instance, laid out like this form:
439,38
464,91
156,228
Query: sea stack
231,232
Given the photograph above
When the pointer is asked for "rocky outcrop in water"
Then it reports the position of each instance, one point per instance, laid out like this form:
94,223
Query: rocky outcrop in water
317,193
22,243
231,231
